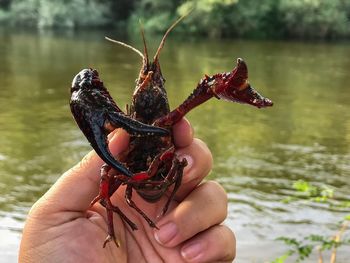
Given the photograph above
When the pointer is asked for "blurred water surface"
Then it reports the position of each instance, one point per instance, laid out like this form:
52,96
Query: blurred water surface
258,154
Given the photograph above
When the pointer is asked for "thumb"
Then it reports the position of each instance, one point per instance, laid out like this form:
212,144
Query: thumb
77,187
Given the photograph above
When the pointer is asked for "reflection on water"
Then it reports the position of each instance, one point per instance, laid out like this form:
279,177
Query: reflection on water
258,153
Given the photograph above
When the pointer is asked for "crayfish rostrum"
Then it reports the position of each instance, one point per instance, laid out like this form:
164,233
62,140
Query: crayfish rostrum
150,164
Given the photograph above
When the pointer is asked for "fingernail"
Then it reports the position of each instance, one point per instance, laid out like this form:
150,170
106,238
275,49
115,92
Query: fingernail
192,251
166,233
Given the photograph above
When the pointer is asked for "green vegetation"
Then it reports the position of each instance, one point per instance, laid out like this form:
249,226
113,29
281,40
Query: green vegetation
303,248
64,13
323,19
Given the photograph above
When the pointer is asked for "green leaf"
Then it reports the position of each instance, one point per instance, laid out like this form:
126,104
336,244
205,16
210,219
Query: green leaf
301,186
289,241
305,251
282,258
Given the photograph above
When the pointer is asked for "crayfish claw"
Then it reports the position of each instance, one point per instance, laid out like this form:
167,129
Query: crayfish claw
110,238
135,127
98,141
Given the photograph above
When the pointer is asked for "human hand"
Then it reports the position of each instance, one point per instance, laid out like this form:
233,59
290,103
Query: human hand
61,226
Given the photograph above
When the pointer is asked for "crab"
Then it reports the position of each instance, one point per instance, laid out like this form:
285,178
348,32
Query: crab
149,165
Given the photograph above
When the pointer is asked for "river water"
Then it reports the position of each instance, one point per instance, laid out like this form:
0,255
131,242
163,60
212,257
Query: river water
258,154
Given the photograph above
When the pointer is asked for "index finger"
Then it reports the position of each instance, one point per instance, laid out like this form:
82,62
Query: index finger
182,133
200,162
196,153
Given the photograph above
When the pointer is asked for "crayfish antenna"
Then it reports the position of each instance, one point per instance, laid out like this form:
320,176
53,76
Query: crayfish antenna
127,46
145,52
156,56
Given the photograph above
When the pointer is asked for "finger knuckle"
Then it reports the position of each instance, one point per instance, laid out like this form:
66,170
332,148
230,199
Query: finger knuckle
84,163
228,238
217,197
206,156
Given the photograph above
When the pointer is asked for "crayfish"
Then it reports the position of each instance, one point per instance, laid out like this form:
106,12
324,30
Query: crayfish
150,164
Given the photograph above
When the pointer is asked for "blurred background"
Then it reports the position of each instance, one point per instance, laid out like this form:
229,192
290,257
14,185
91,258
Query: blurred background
286,169
304,19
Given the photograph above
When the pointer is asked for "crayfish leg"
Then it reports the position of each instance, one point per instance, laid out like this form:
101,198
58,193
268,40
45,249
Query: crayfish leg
131,224
162,157
111,234
105,182
174,175
131,203
108,185
110,208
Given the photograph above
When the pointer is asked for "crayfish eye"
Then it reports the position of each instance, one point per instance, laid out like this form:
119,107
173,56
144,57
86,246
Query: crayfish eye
94,73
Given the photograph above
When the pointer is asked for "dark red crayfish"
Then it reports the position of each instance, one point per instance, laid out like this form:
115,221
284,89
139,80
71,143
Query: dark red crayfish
150,166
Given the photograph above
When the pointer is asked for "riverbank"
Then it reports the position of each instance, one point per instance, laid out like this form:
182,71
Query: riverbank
270,19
